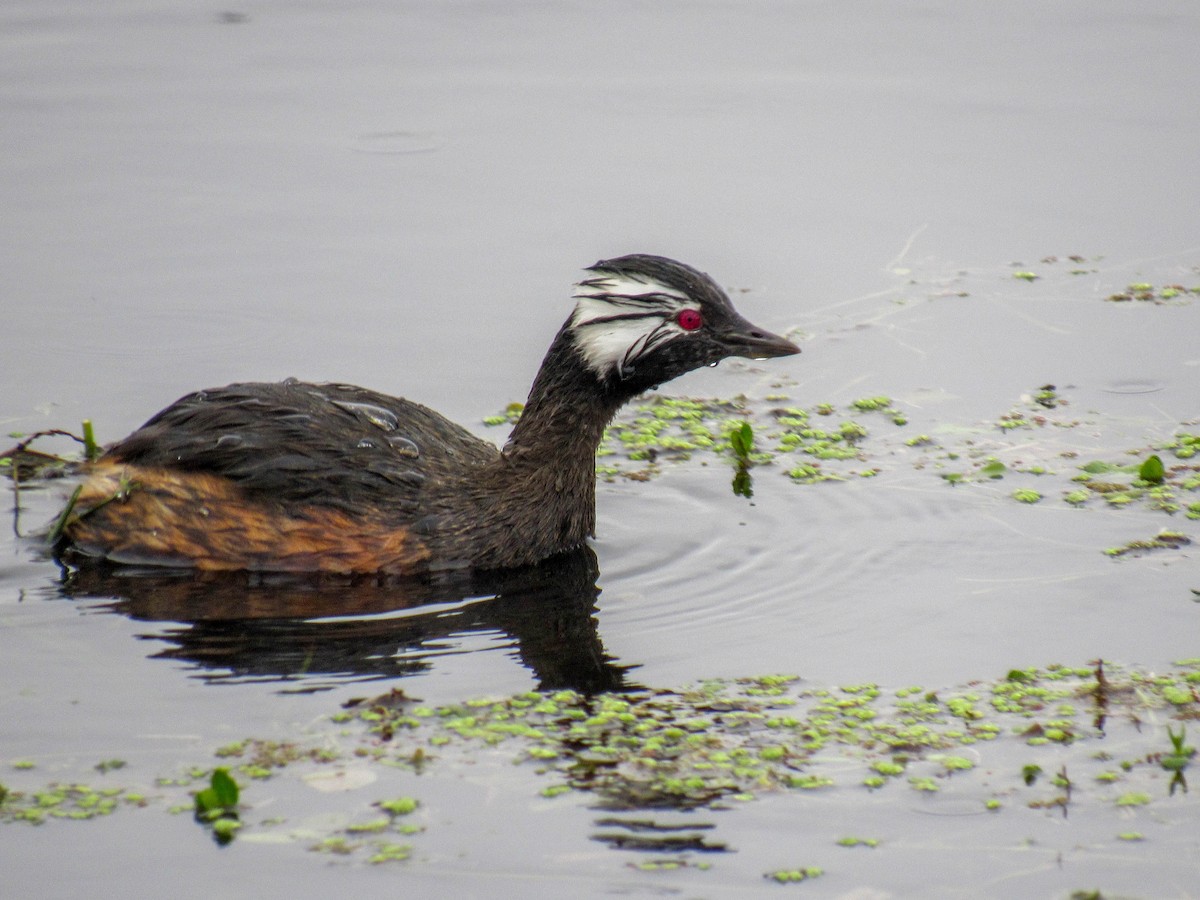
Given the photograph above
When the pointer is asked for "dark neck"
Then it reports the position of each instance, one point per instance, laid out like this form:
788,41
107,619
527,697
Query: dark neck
539,497
566,413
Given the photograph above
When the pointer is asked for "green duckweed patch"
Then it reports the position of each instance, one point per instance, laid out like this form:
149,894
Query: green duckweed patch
1037,741
1153,483
1147,292
1133,798
717,741
826,442
851,841
1164,540
662,429
67,802
714,743
259,759
792,876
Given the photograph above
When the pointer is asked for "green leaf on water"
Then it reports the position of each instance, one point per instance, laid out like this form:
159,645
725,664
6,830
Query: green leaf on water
742,440
1152,470
220,795
993,469
225,787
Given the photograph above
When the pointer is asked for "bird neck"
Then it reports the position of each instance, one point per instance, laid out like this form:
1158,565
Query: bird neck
566,413
539,497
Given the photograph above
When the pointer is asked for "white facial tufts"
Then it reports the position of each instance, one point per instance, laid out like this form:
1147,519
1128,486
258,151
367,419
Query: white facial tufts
619,318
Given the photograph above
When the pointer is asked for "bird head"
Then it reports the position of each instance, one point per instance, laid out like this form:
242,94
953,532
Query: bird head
640,320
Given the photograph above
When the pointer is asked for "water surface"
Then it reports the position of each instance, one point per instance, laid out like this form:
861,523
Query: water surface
401,197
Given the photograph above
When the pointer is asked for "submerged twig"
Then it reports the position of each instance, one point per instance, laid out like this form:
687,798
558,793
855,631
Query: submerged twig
35,463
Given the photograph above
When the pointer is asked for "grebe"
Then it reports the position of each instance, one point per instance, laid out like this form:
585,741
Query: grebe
330,477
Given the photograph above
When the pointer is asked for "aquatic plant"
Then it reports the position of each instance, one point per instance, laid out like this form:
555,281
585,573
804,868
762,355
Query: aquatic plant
217,806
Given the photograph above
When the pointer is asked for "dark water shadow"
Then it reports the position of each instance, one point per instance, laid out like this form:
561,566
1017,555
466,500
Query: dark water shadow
320,630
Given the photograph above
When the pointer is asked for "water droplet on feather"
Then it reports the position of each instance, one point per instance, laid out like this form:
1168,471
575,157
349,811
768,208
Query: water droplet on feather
376,415
403,446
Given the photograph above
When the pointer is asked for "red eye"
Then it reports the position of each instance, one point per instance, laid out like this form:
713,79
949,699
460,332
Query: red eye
689,319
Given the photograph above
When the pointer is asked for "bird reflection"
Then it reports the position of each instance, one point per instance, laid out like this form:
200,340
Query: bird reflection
322,629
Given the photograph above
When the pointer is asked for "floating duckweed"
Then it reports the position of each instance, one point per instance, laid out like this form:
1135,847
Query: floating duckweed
1011,420
872,403
401,806
858,842
660,865
385,852
964,707
375,825
1164,540
336,845
668,428
1146,292
1177,695
957,763
810,474
1133,798
721,740
63,801
509,416
646,437
1184,445
852,432
993,468
789,876
225,827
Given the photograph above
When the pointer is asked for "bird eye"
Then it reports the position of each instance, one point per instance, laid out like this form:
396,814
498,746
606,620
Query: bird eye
689,319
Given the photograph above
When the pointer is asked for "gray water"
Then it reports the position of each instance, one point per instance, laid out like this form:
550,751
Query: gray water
401,195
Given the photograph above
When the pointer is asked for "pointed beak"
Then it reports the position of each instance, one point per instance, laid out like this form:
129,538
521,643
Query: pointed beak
752,342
